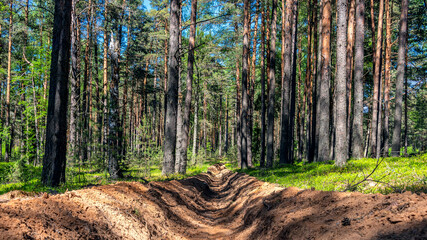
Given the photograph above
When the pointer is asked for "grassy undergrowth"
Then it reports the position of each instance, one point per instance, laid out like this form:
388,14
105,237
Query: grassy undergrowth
80,177
392,175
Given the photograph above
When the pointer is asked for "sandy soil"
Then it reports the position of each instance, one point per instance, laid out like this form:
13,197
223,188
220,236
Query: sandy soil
219,204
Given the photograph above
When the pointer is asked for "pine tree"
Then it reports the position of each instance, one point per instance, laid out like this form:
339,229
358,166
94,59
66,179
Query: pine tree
54,160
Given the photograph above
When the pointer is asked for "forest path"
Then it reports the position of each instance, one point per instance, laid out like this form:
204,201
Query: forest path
219,204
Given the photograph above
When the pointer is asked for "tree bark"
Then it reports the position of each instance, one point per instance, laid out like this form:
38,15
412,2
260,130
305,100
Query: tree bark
251,90
245,100
263,20
324,88
238,104
308,93
403,35
226,125
271,89
376,114
172,91
349,66
86,91
294,76
74,80
7,124
113,117
317,75
357,136
196,109
341,149
387,76
181,155
54,162
105,82
285,133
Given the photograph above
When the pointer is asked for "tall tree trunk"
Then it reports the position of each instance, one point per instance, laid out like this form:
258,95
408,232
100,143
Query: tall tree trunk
238,104
7,124
324,84
403,35
165,84
271,89
54,161
172,91
220,127
285,134
377,92
98,97
357,136
263,20
74,80
387,76
373,32
341,148
226,125
380,94
300,108
1,110
405,138
308,93
317,75
36,124
196,119
23,135
205,107
349,66
105,82
245,78
124,125
113,117
251,90
294,76
86,90
181,155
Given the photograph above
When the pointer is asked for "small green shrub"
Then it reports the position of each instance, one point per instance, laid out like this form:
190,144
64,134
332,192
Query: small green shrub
6,170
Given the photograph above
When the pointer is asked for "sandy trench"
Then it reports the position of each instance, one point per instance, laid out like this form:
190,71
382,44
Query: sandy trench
219,204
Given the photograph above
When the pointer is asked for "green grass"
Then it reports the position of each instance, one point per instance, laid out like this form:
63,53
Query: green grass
77,178
392,175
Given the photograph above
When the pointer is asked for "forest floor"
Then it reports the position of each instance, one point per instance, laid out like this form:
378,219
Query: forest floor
219,204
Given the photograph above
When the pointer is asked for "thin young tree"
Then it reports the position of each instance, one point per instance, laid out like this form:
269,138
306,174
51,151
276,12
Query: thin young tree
172,91
400,78
357,136
54,161
341,148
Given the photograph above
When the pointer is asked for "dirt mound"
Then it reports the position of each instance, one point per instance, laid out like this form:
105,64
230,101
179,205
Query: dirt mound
219,204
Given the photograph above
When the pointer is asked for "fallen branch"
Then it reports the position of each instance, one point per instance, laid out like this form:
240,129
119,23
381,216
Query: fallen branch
366,178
